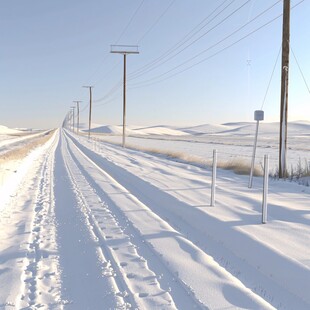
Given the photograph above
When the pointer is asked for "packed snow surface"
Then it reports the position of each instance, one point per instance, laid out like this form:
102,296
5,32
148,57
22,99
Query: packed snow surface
86,224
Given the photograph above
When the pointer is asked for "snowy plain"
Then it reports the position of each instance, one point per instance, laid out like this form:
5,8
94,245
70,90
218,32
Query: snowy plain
86,224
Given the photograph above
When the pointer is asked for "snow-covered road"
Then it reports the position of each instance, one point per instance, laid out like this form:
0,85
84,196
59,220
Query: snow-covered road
95,226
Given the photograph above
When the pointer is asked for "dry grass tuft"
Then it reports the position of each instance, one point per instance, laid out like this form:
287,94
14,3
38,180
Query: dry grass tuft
240,166
23,151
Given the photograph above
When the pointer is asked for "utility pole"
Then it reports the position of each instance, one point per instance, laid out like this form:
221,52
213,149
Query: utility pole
72,111
124,49
284,88
90,107
78,115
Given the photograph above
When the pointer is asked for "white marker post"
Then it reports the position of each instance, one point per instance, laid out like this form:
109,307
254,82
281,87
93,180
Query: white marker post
213,178
265,189
258,116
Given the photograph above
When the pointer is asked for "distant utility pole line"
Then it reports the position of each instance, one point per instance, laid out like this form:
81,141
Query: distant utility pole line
90,108
284,88
124,49
78,114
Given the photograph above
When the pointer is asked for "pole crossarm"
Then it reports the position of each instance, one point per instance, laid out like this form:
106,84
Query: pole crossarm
125,49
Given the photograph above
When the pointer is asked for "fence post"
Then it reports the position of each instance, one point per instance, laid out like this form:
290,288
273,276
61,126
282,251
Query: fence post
265,189
213,178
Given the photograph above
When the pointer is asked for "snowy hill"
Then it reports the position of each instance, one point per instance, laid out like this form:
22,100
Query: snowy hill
136,130
235,128
248,128
8,131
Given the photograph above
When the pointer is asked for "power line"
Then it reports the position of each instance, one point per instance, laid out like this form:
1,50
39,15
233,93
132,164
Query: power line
156,21
120,36
130,21
108,73
107,102
216,44
95,72
274,68
84,109
221,41
302,74
116,87
185,39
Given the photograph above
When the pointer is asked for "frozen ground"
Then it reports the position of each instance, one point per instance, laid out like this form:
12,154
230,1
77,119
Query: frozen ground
89,225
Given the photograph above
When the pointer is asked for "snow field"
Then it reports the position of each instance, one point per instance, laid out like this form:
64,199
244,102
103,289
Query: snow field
10,141
12,160
240,205
195,274
25,274
90,225
233,141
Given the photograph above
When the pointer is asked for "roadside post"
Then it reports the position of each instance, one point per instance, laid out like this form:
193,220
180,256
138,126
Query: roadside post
213,178
258,116
265,189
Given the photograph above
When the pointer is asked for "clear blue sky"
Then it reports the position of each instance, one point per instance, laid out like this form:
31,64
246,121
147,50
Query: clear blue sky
50,49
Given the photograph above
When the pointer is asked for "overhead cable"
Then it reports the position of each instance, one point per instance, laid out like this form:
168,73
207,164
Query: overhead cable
185,39
219,42
130,21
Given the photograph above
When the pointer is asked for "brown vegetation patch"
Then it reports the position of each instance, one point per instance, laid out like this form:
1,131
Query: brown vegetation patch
240,166
24,150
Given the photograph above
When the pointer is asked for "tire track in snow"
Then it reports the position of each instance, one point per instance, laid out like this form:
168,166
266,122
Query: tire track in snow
220,240
40,279
123,260
216,283
108,266
83,284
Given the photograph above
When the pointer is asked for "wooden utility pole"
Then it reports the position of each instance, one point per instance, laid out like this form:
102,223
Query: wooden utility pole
72,113
78,115
284,88
90,108
124,49
124,102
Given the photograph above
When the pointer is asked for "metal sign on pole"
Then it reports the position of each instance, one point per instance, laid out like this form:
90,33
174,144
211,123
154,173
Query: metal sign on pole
124,49
258,116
